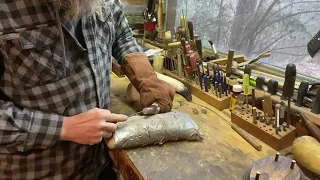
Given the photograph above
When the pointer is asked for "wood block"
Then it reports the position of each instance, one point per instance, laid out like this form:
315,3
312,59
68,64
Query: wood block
270,168
265,133
116,68
208,97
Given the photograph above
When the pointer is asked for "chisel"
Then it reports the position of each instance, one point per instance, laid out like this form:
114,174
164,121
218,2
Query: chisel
260,82
199,75
226,85
248,70
216,88
205,77
253,94
191,33
246,87
220,90
288,87
316,104
302,92
272,86
199,48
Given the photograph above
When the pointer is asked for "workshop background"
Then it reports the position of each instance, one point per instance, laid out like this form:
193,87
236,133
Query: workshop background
254,26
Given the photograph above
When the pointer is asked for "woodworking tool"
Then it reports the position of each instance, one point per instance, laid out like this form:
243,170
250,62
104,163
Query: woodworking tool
316,104
229,63
216,88
260,56
191,33
272,86
282,110
199,49
302,92
180,65
288,87
183,45
220,90
205,77
248,70
221,79
214,51
193,61
246,87
208,70
160,18
268,105
152,110
250,139
253,94
183,22
278,106
311,127
254,113
199,75
314,45
226,85
264,108
260,82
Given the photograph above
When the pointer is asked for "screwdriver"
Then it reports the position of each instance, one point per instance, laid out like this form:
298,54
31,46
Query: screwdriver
246,87
288,87
152,110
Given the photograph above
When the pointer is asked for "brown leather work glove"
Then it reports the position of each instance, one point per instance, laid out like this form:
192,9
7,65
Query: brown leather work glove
138,69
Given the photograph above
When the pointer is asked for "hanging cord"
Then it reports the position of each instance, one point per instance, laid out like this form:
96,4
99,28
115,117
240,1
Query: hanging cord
57,6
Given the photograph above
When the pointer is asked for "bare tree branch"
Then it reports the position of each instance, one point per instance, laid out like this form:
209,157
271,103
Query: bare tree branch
285,17
288,54
291,4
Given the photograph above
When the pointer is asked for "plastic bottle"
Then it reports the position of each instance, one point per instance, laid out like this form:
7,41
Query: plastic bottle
236,91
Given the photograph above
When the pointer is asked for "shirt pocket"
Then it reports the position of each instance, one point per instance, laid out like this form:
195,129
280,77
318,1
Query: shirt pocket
35,57
105,31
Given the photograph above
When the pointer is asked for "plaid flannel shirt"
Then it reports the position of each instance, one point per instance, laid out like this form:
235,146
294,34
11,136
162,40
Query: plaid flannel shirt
48,74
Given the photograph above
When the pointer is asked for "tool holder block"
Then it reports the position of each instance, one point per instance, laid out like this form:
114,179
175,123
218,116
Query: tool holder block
208,97
266,133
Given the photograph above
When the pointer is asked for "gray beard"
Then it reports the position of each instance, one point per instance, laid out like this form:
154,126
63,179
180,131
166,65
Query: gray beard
77,8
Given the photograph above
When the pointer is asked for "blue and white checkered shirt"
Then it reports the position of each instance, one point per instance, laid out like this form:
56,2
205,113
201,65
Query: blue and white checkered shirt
49,74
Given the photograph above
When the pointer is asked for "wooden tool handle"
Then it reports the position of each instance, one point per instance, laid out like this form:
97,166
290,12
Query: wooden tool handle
268,105
229,63
313,129
250,139
160,17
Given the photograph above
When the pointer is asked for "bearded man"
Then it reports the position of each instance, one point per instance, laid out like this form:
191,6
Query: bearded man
55,86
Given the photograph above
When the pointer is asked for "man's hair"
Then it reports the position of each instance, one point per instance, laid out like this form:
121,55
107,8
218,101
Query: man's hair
77,8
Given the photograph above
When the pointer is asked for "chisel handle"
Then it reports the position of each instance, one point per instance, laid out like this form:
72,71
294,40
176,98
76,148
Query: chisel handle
191,31
289,81
302,92
250,139
312,128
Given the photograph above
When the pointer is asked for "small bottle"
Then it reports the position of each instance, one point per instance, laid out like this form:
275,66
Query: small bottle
236,91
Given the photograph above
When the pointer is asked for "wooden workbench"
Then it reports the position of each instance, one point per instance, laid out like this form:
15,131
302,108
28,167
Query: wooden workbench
222,154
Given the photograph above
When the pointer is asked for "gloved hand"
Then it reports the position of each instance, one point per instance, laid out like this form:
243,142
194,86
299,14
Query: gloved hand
138,69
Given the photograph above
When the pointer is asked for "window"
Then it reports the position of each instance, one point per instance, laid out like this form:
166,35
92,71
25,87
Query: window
284,27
